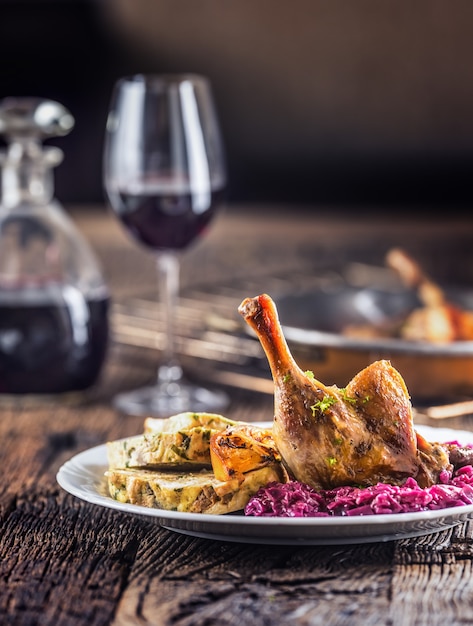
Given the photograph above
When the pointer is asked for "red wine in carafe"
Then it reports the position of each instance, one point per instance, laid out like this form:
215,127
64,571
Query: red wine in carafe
167,220
53,341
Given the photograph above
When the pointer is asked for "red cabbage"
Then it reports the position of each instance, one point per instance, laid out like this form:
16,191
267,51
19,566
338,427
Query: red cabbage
295,499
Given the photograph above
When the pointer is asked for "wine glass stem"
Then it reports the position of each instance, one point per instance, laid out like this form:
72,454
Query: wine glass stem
170,371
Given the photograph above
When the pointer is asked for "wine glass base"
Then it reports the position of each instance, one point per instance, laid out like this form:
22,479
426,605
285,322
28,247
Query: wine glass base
154,401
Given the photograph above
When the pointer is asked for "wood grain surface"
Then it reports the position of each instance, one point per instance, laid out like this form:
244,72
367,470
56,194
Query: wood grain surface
64,562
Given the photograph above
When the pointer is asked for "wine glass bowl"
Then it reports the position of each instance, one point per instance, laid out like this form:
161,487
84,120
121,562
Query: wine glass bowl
164,178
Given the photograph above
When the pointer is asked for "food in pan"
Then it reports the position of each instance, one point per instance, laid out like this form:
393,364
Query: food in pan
435,320
330,451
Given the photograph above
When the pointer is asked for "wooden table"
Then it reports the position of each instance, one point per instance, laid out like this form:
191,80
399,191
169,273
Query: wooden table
66,562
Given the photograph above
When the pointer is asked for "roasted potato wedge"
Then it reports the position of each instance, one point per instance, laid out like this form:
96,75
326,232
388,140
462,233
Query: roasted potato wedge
241,449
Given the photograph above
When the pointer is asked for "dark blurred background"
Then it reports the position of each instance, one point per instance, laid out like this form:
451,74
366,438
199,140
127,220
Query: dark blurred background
348,102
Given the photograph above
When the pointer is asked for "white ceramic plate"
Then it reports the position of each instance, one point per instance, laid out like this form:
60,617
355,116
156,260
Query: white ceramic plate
83,477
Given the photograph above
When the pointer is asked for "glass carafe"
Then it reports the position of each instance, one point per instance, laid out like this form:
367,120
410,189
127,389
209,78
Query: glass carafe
53,297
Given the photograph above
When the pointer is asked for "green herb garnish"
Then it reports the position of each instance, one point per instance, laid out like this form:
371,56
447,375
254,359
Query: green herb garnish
323,405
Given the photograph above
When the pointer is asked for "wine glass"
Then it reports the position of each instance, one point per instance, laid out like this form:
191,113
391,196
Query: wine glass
164,177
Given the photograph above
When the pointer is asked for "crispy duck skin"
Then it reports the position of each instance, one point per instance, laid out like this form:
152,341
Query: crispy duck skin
329,436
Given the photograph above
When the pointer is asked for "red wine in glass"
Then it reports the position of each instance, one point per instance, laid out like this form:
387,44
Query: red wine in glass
164,177
168,220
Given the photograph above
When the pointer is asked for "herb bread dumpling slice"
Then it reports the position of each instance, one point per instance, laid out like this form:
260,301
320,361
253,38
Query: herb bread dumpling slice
183,449
193,492
178,442
186,421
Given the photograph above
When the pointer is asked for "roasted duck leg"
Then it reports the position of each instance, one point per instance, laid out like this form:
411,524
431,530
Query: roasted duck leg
329,436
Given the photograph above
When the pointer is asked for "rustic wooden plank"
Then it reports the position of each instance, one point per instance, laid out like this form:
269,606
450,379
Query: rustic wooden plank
433,582
193,581
71,572
73,557
60,558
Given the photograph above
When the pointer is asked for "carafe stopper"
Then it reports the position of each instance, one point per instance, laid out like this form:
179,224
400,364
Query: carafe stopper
33,118
25,123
